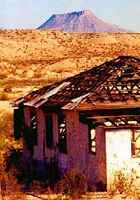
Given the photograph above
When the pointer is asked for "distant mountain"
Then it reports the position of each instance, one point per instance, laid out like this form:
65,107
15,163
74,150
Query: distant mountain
82,21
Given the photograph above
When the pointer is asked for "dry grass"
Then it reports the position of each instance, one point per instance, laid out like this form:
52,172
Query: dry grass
125,185
73,184
32,58
35,58
8,184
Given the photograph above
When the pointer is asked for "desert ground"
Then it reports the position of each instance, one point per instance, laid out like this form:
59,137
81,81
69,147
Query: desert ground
33,58
30,59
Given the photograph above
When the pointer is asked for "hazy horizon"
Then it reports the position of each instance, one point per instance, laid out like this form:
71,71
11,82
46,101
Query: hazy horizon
31,14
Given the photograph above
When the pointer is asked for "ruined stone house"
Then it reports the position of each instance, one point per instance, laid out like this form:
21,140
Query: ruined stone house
89,122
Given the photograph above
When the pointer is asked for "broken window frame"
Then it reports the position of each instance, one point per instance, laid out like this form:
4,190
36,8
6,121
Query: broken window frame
92,140
33,126
19,122
49,130
134,149
62,133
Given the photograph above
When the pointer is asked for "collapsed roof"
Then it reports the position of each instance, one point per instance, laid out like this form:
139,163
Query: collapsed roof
116,82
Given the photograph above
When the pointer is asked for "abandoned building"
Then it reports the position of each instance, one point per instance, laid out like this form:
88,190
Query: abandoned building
89,122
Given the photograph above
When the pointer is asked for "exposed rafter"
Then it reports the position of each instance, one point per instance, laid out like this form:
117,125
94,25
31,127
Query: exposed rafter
115,81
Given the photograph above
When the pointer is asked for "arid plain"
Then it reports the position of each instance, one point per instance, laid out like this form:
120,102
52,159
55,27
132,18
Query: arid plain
32,58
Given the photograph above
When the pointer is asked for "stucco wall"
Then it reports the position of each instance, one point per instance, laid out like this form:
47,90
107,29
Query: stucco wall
52,152
119,156
113,149
79,155
73,136
39,151
96,164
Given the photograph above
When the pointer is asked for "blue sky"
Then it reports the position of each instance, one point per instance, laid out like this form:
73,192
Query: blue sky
32,13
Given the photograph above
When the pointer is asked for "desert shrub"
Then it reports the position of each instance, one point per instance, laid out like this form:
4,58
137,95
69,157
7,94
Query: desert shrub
4,96
6,123
14,166
10,187
43,173
74,183
8,182
7,89
37,187
3,76
12,158
123,183
3,142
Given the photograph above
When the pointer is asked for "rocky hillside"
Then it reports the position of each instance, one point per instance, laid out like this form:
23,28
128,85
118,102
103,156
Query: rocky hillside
83,21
